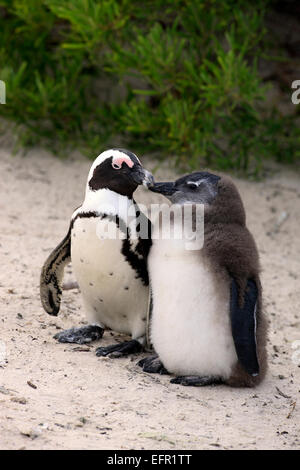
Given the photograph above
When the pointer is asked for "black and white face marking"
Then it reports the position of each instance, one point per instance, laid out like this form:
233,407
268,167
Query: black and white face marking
118,170
198,187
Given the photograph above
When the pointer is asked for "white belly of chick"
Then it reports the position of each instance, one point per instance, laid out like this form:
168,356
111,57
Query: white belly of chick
190,327
113,296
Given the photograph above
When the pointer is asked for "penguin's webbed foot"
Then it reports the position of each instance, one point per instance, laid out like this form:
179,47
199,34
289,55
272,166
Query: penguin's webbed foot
152,365
196,381
82,335
120,349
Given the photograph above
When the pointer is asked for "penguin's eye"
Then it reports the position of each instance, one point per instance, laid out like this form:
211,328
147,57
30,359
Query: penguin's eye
116,166
118,161
192,186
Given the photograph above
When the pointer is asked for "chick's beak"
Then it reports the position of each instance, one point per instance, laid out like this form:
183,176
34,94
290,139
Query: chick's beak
167,189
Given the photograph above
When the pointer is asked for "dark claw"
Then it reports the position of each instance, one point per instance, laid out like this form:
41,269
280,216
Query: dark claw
152,365
120,349
83,335
195,381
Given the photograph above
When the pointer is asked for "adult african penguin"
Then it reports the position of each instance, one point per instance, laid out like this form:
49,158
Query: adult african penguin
207,324
111,270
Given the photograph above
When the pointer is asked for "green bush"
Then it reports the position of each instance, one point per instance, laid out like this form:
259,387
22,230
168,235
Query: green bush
175,76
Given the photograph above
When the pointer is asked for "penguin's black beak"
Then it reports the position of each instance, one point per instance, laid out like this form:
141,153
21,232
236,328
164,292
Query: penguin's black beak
167,189
142,176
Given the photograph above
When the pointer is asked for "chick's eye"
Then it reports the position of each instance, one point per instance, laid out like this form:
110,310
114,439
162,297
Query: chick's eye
192,186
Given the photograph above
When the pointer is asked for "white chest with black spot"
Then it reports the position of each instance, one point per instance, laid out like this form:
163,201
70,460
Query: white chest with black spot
114,296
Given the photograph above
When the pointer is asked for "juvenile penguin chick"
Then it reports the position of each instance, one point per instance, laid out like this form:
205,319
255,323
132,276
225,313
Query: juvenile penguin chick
207,323
111,271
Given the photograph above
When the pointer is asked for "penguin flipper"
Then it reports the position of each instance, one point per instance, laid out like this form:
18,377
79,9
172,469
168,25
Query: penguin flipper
243,325
52,275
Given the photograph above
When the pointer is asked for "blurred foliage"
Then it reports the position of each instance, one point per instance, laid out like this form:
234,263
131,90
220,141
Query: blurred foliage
175,76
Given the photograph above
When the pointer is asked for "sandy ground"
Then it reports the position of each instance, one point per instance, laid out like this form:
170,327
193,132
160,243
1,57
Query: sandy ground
55,396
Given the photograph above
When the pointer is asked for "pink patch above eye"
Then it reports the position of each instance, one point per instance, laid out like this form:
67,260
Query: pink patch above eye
117,162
